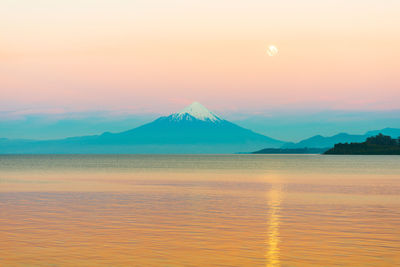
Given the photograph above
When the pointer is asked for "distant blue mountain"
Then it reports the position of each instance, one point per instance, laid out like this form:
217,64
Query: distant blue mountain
193,130
319,141
392,132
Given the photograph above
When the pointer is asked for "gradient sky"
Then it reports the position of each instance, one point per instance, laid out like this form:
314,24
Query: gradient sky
157,56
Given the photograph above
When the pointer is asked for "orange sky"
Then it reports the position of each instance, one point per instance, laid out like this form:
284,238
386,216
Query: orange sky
155,56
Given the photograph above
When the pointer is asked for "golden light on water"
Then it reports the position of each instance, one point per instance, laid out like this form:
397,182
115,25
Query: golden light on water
274,202
238,210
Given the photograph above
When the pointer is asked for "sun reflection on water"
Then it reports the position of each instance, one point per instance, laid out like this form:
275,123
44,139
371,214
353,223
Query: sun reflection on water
274,203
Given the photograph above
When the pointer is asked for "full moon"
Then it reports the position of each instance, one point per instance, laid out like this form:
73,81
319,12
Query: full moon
272,51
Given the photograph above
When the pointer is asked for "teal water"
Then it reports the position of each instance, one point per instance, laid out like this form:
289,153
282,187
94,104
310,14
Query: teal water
199,210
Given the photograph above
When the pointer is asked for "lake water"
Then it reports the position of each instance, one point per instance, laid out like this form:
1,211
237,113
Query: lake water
186,210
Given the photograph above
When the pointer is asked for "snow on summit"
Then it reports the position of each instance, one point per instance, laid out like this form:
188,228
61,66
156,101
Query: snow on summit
198,111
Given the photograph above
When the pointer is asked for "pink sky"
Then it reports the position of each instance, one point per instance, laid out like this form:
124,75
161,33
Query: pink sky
157,56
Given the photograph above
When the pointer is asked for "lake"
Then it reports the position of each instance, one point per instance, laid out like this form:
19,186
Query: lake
199,210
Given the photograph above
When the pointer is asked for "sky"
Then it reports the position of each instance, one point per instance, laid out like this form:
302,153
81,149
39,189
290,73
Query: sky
154,57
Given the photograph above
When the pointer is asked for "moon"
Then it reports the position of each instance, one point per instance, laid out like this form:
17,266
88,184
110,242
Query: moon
272,51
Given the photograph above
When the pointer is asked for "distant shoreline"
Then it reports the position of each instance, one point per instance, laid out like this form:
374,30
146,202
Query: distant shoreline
290,151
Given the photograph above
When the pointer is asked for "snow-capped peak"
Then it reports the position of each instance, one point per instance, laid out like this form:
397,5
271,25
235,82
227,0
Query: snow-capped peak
198,111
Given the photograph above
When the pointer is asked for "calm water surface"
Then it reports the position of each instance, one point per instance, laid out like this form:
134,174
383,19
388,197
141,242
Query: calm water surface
226,210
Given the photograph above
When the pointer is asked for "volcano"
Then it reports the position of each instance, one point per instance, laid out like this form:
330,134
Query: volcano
194,129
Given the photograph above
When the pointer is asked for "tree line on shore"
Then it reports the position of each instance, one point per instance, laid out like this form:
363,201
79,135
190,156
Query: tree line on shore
374,145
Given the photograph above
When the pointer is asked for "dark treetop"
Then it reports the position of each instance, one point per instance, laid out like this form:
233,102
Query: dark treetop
375,145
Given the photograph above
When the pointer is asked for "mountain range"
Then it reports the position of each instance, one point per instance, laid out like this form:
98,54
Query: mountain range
319,141
194,129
